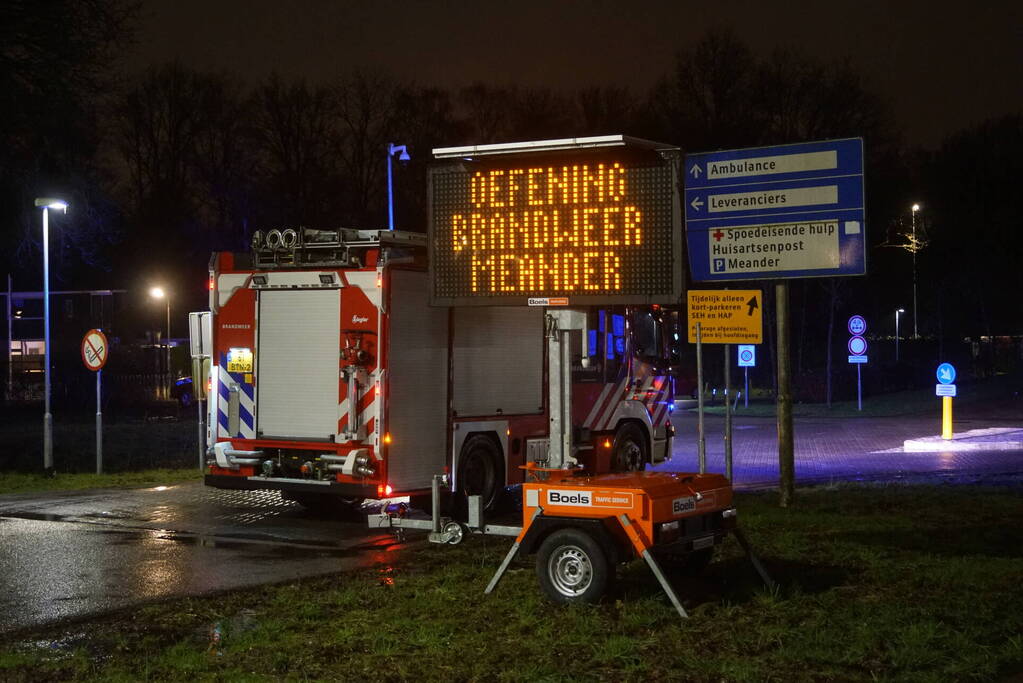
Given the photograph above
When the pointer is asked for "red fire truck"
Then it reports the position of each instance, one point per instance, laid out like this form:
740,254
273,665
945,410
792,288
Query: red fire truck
333,376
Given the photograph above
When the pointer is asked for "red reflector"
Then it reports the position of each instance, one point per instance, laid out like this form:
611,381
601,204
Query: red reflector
380,490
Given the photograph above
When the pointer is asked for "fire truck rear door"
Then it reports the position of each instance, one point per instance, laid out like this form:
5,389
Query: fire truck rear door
297,363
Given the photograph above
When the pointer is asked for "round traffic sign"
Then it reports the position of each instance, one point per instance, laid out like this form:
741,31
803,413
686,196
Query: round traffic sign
95,350
857,325
946,373
857,345
746,355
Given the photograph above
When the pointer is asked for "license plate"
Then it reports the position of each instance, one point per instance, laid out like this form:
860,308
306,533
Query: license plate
701,543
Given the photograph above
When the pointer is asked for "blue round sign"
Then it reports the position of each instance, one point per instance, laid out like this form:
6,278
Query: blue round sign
946,373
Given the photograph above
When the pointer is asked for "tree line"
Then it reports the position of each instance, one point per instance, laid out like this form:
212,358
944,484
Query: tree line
165,166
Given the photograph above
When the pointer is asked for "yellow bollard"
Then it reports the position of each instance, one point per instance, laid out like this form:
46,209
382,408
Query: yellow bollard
946,417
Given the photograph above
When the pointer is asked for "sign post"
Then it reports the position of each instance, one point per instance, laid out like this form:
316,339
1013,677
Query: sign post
775,213
747,360
726,316
947,390
95,351
858,352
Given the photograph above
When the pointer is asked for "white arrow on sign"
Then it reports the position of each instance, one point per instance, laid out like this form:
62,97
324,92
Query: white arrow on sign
946,375
695,170
696,203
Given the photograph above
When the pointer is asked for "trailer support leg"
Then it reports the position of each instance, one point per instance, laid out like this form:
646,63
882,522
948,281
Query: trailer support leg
741,538
651,561
511,555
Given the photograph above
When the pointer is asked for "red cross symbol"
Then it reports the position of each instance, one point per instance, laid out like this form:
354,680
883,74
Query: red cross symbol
718,235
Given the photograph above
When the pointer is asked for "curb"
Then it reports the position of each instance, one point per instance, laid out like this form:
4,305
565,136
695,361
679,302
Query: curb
993,439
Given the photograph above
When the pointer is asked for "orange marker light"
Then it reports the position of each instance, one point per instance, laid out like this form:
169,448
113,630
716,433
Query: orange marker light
211,284
607,443
387,437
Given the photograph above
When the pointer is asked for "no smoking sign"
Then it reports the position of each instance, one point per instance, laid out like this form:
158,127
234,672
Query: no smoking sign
95,350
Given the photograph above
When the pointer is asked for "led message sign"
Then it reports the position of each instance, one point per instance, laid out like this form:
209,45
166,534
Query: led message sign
580,229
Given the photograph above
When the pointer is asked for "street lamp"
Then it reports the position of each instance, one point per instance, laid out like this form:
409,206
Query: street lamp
159,293
47,203
916,207
897,312
402,153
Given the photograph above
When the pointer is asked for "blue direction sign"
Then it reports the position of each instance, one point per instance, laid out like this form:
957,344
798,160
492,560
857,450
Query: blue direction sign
946,373
776,212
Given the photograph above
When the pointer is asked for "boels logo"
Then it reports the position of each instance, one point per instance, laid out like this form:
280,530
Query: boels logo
681,506
576,498
598,499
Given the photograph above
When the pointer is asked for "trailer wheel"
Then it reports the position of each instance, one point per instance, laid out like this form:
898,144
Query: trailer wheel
630,450
572,567
478,473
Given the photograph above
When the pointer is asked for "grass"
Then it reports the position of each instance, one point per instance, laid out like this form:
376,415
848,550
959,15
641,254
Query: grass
875,583
20,482
910,402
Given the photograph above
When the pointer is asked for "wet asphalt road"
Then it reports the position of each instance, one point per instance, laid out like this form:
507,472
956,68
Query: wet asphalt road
74,553
70,554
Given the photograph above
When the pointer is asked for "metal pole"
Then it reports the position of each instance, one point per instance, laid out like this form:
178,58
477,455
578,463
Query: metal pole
701,436
916,335
202,431
99,424
10,343
896,336
166,344
47,416
745,394
390,191
786,454
728,413
859,388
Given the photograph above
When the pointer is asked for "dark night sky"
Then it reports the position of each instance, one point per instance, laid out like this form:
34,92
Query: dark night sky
942,65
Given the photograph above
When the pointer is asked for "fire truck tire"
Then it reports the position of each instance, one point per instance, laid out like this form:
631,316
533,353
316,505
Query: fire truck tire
572,567
630,452
479,472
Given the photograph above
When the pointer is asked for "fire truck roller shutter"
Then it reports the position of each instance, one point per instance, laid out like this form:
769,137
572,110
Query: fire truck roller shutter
497,361
417,380
297,363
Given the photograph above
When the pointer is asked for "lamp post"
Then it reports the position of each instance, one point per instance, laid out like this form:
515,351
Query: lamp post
402,153
916,207
897,312
47,203
160,293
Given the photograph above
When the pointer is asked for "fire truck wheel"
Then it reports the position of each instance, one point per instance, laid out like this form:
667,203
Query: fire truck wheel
572,567
630,451
478,472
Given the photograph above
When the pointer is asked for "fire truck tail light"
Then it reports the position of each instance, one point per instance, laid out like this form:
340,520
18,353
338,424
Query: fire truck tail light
211,283
380,280
384,490
378,389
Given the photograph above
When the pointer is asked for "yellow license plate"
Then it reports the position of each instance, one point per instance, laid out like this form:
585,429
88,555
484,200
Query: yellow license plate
239,360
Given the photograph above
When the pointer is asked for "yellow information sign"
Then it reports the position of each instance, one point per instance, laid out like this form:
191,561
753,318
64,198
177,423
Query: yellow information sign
239,360
726,316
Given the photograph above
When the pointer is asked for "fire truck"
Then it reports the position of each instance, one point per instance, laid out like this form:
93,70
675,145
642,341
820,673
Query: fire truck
333,380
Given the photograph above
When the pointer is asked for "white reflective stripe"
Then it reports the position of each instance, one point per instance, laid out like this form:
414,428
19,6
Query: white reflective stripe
588,422
616,398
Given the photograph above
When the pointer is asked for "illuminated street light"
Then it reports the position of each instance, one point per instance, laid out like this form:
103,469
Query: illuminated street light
916,207
402,153
897,312
159,293
47,203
